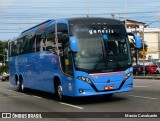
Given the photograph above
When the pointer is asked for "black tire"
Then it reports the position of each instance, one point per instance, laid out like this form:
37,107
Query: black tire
147,72
157,72
3,79
59,92
20,86
108,95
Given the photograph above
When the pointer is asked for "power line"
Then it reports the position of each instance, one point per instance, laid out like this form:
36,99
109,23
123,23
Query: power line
10,32
46,14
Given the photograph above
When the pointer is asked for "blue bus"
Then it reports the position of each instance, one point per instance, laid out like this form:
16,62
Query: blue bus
73,57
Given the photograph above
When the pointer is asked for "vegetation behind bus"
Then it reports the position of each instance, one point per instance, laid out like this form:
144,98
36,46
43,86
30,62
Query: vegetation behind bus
3,57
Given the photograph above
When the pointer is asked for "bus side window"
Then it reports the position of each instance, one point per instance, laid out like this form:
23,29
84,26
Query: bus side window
42,43
18,46
12,48
31,43
50,44
67,59
64,50
39,42
24,48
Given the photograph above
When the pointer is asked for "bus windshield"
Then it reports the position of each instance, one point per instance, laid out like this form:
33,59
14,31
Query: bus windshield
101,48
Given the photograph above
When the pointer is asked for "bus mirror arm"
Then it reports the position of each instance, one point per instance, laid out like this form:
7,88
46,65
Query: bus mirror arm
138,41
69,52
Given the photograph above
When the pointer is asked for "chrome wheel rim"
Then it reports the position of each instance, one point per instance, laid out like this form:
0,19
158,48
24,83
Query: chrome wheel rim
22,86
60,92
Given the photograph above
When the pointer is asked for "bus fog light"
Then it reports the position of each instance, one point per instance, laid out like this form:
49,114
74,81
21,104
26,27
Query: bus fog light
131,85
81,90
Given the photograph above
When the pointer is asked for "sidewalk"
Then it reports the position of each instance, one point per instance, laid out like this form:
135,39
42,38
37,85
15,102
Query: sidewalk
146,77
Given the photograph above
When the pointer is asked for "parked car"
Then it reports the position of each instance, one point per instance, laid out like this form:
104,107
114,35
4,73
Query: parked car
5,77
137,69
151,69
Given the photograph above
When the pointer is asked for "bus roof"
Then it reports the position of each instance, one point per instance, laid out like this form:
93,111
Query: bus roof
75,21
93,20
41,25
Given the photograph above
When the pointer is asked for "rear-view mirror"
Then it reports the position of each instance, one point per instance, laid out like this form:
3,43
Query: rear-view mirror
73,44
138,42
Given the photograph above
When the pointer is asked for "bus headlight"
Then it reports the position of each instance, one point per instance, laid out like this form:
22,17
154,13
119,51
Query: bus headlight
127,76
85,79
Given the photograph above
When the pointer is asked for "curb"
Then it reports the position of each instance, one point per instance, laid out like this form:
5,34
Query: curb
146,77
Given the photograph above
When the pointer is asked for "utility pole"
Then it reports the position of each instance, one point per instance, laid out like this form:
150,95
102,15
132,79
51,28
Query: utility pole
88,8
125,18
144,26
113,15
143,50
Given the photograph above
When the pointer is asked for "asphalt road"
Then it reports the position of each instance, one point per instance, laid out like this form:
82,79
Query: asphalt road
144,98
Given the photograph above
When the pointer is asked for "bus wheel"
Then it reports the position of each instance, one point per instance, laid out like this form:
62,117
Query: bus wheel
59,92
22,86
19,86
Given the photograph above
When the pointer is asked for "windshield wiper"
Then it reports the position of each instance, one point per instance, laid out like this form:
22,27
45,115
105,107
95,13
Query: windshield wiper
104,54
104,57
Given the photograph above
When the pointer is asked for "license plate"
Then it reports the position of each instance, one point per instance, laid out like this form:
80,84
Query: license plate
108,87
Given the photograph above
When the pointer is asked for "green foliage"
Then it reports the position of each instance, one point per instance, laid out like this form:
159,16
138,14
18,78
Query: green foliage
135,51
4,68
3,45
1,51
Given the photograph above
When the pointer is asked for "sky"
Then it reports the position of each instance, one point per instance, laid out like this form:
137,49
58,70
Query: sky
19,15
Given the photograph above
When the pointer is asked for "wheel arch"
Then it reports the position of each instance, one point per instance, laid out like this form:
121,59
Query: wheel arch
56,81
20,77
16,78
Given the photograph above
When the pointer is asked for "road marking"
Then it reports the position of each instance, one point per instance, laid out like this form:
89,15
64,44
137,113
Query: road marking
12,90
15,91
28,95
14,96
143,97
72,105
36,96
140,86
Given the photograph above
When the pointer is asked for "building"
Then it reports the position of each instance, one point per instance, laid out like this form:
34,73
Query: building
134,26
151,37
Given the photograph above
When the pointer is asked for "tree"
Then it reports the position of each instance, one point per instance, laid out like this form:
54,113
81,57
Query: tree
3,46
137,52
3,56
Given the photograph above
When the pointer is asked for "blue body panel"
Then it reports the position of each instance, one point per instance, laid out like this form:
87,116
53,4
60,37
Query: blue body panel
36,68
99,82
39,69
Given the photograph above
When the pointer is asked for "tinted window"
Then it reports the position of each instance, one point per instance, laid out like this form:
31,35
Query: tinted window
40,42
50,44
101,48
